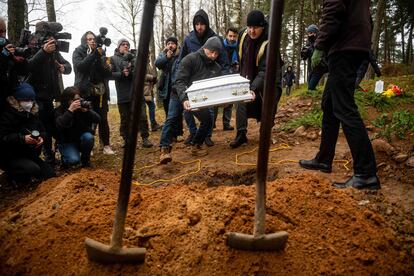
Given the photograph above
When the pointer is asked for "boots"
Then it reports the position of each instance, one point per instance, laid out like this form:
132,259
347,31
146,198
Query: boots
198,150
146,143
241,139
165,156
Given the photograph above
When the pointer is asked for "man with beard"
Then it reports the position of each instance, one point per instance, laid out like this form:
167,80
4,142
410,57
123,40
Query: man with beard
192,43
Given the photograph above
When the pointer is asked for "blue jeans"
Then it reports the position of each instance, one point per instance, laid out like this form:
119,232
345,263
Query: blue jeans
192,126
313,80
73,153
175,109
151,109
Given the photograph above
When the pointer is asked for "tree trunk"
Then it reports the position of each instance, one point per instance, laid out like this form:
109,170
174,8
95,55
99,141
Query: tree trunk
16,16
238,8
162,39
300,39
152,55
225,16
381,5
50,8
216,17
410,59
402,23
174,18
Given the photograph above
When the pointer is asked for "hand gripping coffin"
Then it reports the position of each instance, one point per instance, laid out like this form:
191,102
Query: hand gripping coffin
219,91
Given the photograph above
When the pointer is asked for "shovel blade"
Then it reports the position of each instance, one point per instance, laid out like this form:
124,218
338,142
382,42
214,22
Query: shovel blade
106,254
270,242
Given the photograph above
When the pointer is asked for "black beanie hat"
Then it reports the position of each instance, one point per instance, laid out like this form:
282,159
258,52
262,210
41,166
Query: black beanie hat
256,18
172,39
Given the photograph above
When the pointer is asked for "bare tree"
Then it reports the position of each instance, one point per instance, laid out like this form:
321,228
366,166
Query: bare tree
50,8
15,13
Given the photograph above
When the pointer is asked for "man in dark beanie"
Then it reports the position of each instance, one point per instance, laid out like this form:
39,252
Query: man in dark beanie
252,55
21,138
345,36
192,42
195,66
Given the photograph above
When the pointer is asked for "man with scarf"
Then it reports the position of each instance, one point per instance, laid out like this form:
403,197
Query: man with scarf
252,55
192,43
230,45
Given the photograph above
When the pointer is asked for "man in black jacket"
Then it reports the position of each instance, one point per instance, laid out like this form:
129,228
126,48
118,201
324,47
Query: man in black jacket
252,54
122,74
91,77
45,67
21,138
345,35
75,123
195,66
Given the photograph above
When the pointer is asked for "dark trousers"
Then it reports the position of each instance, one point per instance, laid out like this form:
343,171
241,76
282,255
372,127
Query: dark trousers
22,169
288,89
124,112
226,115
339,108
47,117
313,80
100,106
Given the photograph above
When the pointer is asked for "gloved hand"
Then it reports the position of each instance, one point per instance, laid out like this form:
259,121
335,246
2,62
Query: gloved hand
316,57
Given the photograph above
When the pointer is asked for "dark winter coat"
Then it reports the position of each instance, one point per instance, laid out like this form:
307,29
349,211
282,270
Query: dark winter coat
254,109
196,66
346,26
15,123
90,69
306,54
44,75
123,84
166,66
9,76
289,77
71,125
192,43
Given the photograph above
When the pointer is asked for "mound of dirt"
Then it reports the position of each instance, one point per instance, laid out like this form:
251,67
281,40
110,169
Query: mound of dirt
184,229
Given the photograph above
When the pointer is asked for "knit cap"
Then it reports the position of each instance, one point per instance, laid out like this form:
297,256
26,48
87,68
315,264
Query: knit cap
24,91
213,44
256,18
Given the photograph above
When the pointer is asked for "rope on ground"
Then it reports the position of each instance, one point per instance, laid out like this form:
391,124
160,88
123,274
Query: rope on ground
279,162
198,161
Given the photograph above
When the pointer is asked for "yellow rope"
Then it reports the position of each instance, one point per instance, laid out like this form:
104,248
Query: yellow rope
274,162
137,183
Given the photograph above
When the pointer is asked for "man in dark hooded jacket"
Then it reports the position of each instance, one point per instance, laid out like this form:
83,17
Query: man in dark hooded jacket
21,138
345,35
252,54
91,77
192,43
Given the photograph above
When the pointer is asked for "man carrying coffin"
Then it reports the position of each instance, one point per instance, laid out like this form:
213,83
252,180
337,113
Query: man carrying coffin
196,66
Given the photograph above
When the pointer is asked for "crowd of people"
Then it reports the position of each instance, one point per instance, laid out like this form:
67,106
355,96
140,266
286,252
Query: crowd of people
29,120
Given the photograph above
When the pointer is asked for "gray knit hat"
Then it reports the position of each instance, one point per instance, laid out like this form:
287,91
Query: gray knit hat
214,44
122,40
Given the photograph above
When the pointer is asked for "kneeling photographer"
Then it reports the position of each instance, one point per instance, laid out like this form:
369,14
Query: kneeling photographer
45,67
75,123
21,138
91,77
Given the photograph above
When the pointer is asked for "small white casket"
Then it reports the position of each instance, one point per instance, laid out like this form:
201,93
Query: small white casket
219,91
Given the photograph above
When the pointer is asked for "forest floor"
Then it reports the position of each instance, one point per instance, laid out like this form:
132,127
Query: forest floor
181,212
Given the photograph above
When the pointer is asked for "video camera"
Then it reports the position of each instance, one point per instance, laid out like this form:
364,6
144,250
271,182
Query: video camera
85,104
31,43
101,39
128,59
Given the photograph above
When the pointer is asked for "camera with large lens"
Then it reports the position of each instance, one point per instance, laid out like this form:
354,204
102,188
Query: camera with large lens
128,59
101,39
34,134
31,43
85,104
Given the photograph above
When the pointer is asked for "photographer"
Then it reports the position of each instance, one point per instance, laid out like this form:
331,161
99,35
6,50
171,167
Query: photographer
45,67
122,73
75,126
91,77
10,66
21,138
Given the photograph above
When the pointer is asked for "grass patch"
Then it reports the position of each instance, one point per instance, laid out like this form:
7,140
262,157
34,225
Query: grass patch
310,119
398,124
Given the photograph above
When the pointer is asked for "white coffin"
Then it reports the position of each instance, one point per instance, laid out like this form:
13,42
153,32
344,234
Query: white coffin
219,91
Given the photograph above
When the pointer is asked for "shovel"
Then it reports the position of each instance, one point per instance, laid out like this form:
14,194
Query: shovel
260,241
115,253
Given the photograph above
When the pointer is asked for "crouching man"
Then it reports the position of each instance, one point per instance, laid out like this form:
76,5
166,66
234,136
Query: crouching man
75,122
21,138
196,66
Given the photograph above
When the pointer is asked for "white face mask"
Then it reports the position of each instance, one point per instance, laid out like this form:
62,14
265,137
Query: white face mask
26,105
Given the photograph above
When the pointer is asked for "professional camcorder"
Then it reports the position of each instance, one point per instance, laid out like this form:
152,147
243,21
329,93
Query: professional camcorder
101,39
31,43
128,59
